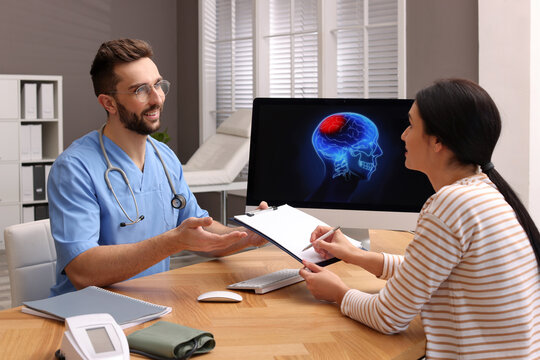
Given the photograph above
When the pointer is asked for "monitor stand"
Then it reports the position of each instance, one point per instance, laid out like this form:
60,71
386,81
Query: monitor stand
361,235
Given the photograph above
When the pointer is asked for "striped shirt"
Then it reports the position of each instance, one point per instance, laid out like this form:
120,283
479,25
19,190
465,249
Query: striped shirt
470,272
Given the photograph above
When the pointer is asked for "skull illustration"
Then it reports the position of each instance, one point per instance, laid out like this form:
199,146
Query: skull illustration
349,142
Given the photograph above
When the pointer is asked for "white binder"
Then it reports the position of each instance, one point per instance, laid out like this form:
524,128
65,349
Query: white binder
35,142
29,99
46,101
27,180
26,147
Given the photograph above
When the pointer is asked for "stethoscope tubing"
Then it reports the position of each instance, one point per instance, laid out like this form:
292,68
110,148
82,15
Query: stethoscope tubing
178,201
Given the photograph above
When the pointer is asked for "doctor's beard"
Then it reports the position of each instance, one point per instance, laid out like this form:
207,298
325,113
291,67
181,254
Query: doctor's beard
136,122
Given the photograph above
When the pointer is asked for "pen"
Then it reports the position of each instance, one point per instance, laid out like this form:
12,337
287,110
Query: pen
323,237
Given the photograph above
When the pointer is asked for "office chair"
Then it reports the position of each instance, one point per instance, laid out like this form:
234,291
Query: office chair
31,259
223,155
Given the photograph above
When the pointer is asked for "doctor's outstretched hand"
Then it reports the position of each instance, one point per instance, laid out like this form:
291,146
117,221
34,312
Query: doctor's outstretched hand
194,236
323,284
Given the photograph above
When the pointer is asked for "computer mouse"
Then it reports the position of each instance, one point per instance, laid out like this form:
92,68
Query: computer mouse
220,296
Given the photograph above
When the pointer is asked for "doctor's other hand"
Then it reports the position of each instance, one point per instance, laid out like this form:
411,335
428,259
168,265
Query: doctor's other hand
194,237
323,284
254,239
336,245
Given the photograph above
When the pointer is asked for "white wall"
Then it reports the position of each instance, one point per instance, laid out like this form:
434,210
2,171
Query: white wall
534,157
508,70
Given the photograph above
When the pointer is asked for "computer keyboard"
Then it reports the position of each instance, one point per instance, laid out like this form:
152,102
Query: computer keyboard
268,282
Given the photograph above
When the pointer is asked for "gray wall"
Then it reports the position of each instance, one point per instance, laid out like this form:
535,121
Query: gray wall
188,79
442,41
61,37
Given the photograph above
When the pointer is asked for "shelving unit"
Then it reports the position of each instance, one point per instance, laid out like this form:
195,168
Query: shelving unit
12,118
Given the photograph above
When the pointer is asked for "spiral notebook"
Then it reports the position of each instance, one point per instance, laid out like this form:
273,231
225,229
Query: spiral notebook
127,311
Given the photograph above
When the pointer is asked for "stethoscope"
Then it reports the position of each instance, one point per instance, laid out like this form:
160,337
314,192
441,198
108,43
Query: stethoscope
178,201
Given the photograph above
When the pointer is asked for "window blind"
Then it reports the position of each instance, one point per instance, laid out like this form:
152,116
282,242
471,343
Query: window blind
207,91
293,48
367,48
234,56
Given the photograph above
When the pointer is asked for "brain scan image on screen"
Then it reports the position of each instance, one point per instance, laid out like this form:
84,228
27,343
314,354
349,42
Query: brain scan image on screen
347,144
348,141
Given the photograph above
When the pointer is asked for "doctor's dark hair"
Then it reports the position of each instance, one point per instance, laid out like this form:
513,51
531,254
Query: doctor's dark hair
115,52
464,118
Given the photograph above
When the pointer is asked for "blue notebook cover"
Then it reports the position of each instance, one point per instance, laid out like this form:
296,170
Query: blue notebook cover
127,311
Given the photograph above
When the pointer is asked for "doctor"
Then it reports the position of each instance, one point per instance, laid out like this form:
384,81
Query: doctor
106,234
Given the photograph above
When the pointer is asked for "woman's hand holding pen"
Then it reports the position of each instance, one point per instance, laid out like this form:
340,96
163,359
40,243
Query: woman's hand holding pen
335,245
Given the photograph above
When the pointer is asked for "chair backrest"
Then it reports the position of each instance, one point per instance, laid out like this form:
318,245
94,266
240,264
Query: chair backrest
31,258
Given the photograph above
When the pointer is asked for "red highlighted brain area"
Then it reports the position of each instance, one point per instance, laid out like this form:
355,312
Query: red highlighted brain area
332,124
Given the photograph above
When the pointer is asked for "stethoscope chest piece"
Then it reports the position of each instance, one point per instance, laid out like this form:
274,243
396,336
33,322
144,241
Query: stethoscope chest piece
178,201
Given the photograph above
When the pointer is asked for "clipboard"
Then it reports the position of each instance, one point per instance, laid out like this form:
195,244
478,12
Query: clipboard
289,229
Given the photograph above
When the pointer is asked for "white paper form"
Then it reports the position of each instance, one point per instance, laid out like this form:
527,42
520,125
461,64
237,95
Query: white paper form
290,229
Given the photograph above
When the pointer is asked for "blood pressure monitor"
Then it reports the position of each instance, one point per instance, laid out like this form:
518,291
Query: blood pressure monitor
93,336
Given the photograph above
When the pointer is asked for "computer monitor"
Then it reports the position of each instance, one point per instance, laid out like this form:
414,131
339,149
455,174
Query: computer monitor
341,160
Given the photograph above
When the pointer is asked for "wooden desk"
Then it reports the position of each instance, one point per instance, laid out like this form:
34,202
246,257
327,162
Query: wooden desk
284,324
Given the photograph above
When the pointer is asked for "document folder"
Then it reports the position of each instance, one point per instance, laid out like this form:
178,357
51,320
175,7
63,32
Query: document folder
27,179
39,190
46,101
26,142
29,100
36,147
289,229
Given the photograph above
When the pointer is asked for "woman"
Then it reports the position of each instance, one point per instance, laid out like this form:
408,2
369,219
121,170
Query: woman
471,270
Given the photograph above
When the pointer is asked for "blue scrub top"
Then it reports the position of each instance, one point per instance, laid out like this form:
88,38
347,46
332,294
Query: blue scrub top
83,210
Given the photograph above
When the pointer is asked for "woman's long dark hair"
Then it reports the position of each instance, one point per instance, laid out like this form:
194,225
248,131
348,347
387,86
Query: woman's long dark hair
464,118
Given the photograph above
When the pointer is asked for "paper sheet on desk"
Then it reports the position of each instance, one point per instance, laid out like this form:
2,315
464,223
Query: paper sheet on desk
289,229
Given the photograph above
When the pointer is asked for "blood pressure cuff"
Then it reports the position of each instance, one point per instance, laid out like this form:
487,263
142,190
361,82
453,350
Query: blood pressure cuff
166,340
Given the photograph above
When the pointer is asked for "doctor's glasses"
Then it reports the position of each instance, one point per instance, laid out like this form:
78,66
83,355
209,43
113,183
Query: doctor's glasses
144,91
